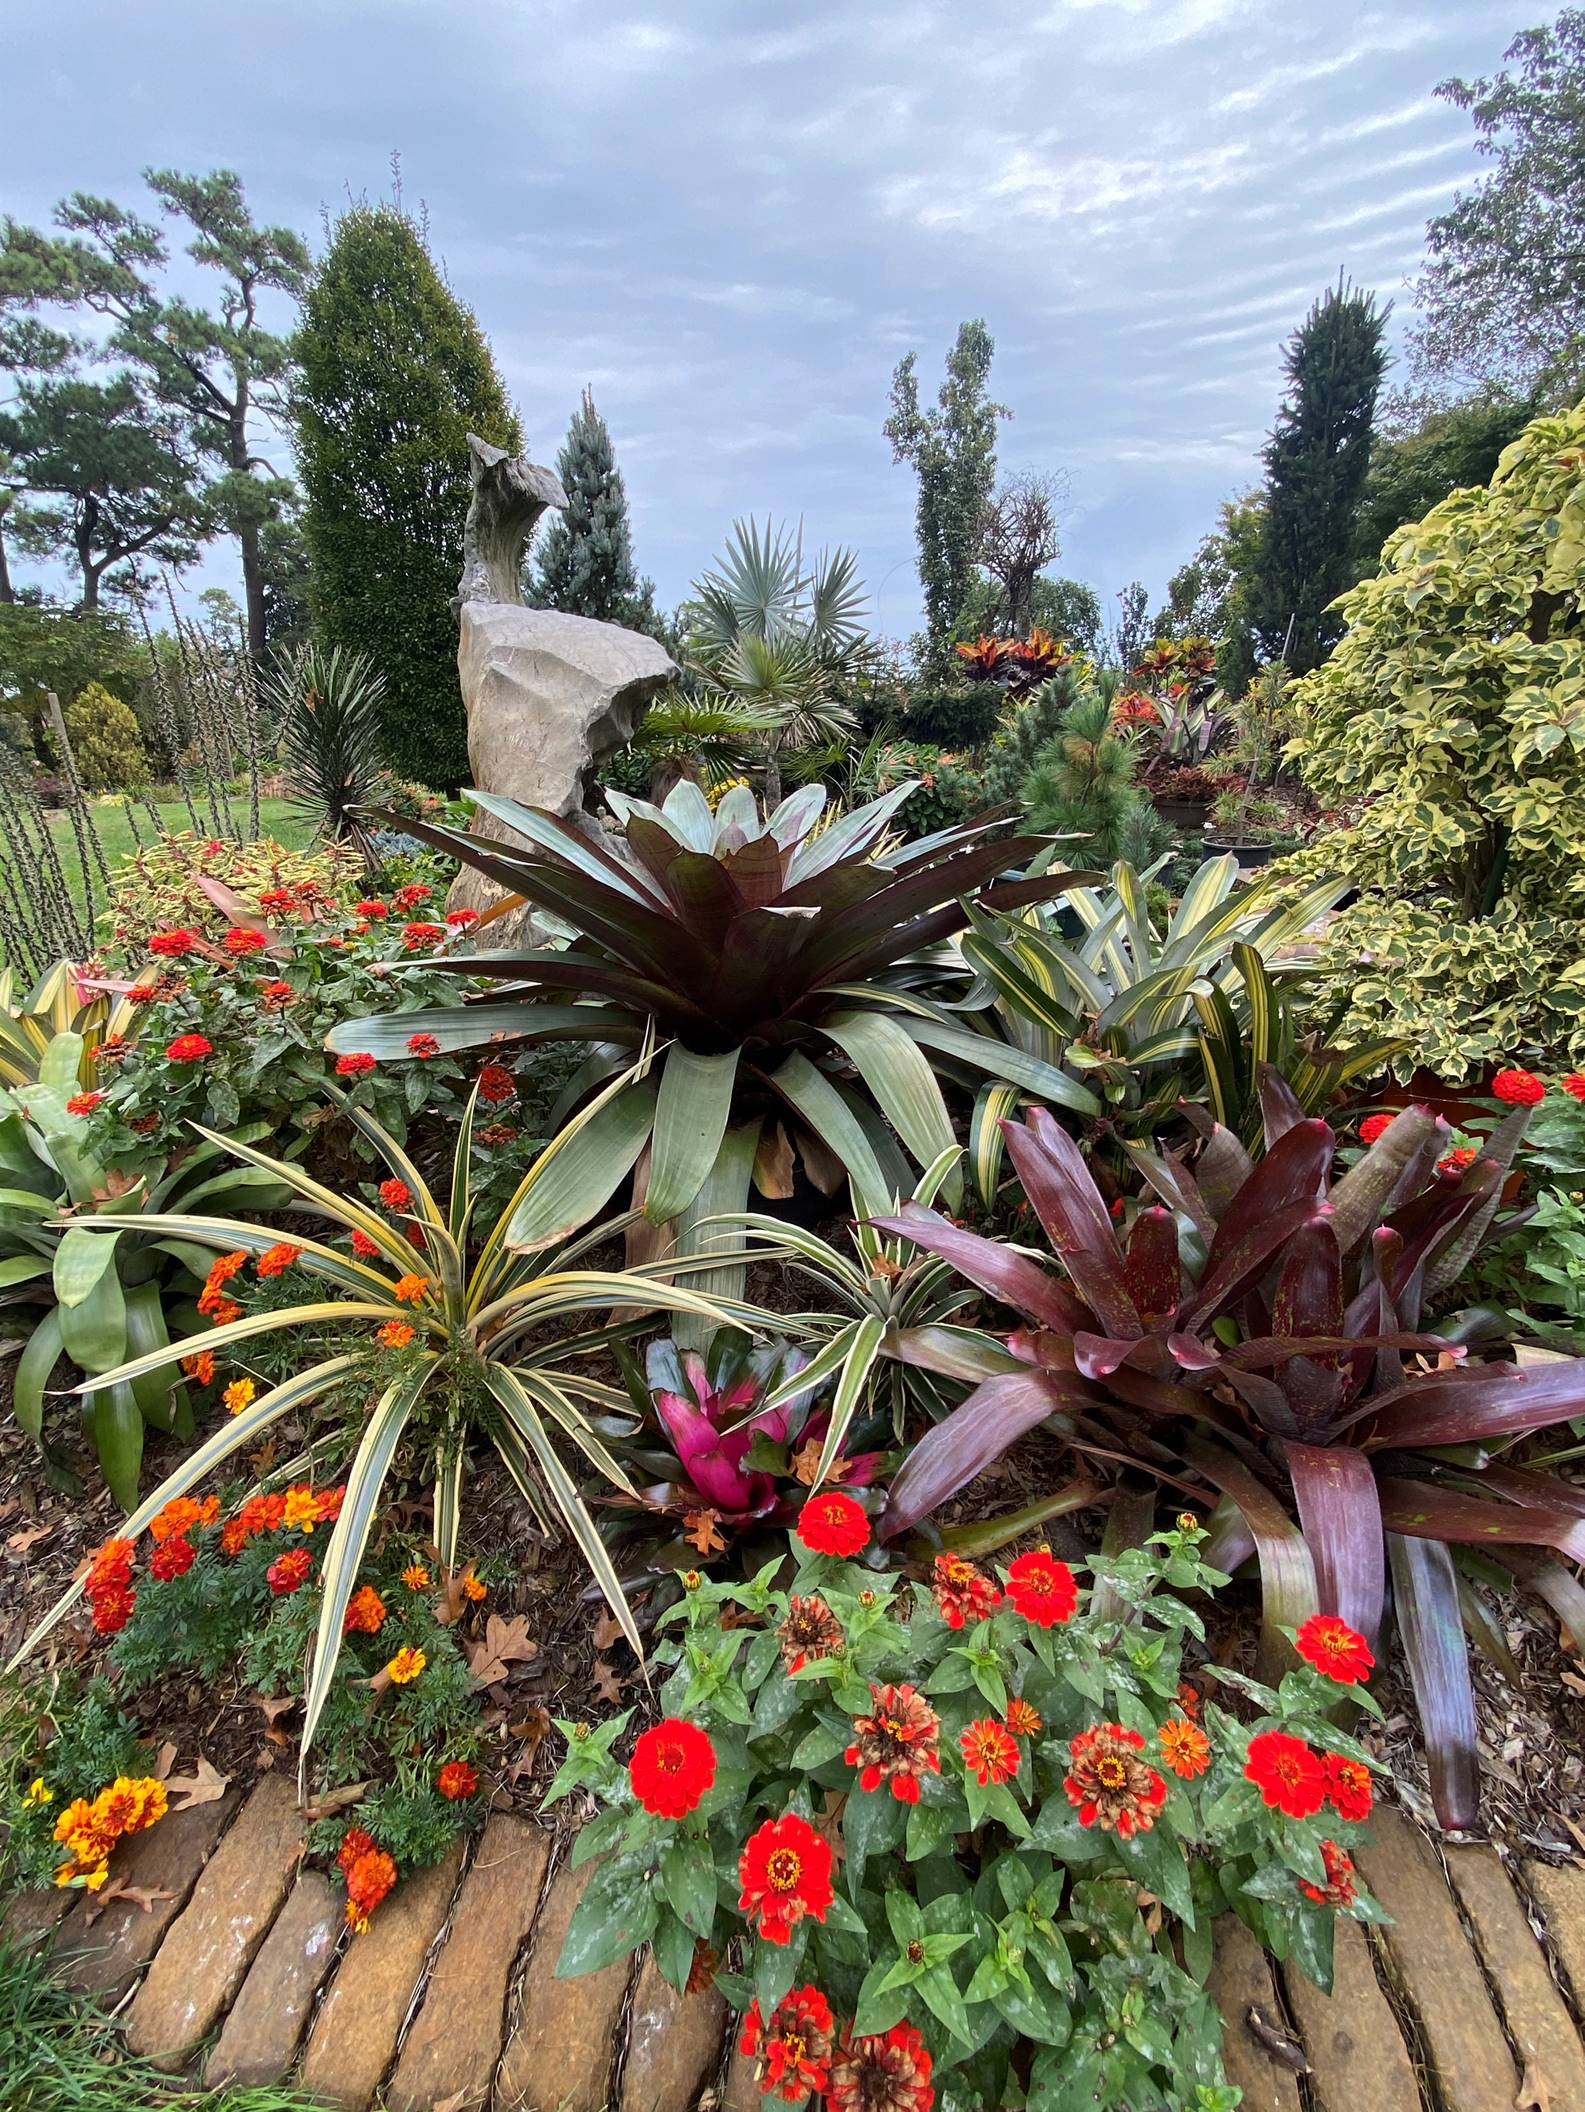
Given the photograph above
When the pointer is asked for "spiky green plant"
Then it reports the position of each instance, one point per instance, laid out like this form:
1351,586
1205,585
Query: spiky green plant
330,701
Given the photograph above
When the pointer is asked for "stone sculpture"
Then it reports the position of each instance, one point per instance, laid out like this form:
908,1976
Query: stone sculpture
548,695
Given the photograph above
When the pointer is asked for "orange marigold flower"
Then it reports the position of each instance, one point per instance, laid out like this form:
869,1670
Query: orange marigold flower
473,1589
1108,1782
1184,1747
181,1514
672,1767
457,1779
224,1267
200,1366
415,1576
784,1873
369,1878
276,1260
1328,1643
394,1334
1189,1699
1023,1718
300,1511
364,1247
289,1571
395,1194
83,1103
174,1559
990,1751
405,1667
410,1289
238,1394
357,1065
365,1612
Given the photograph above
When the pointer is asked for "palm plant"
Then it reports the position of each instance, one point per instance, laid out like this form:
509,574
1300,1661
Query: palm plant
776,960
709,736
1150,1014
330,700
768,632
1257,1330
474,1347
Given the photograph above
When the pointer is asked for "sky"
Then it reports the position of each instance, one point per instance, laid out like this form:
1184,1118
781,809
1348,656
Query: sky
731,220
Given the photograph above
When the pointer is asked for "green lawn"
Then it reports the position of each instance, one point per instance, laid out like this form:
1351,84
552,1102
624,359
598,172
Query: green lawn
277,818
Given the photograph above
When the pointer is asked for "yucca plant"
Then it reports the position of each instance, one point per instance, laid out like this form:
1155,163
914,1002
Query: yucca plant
330,700
1257,1330
776,960
1150,1013
458,1342
100,1297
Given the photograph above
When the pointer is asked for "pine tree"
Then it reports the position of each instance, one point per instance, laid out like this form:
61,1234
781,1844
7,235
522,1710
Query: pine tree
585,558
1082,785
1025,730
395,374
1316,463
953,451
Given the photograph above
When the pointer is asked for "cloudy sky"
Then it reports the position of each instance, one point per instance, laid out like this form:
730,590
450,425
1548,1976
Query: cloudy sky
732,219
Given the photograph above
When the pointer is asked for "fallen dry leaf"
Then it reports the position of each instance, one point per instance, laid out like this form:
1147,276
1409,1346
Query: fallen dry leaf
806,1464
607,1629
19,1543
335,1800
205,1785
701,1531
607,1684
506,1643
275,1705
1534,2096
164,1761
143,1896
532,1730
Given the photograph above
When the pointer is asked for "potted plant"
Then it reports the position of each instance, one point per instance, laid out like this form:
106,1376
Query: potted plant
1252,825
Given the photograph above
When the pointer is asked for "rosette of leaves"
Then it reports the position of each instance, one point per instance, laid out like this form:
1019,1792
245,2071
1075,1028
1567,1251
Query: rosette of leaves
1148,1012
105,1296
60,1002
985,1915
1259,1329
330,702
781,964
487,1350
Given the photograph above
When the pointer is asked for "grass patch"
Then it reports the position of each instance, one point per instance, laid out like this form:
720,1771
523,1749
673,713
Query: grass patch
59,2054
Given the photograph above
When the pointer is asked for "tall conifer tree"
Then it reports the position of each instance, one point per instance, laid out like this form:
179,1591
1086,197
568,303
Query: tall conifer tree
395,374
1316,462
585,555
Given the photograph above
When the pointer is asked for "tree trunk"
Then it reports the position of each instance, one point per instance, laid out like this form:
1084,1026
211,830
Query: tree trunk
7,591
249,535
772,773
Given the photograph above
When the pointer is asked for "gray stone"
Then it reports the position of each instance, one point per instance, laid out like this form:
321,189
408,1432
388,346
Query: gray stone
261,2034
673,2044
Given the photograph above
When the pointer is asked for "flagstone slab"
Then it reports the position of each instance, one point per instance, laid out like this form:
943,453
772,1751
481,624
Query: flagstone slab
1240,1981
558,2058
1536,2015
1559,1890
1431,1957
1358,2060
353,2041
103,1957
673,2044
450,2054
205,1957
742,2092
34,1916
259,2039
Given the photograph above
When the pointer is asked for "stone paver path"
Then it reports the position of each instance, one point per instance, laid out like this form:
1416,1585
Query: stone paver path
1471,2001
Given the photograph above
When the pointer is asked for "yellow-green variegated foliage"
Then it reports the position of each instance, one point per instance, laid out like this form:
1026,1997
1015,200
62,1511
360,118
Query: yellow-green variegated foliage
1450,722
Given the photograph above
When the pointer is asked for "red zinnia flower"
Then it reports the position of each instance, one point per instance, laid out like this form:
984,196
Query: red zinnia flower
462,918
1518,1088
833,1524
83,1103
1109,1784
496,1083
1334,1648
410,896
961,1592
276,898
1287,1774
1349,1790
1184,1747
673,1764
1373,1127
364,1247
274,996
240,940
172,1558
785,1873
889,2072
810,1630
371,909
416,935
456,1780
1456,1160
355,1066
793,2053
896,1742
1339,1891
1574,1085
396,1195
287,1572
1023,1718
1041,1588
422,1045
189,1048
172,943
990,1751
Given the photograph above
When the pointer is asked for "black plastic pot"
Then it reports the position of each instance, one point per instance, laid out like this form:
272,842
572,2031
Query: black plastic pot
1248,855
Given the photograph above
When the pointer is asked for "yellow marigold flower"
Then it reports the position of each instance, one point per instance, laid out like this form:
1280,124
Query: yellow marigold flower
473,1589
96,1877
66,1874
238,1394
415,1576
301,1510
406,1666
411,1289
39,1792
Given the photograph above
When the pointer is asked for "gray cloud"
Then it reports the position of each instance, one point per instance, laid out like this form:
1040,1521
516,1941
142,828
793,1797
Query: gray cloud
731,225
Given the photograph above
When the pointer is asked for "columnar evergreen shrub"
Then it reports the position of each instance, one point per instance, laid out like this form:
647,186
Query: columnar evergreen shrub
106,744
395,374
585,556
